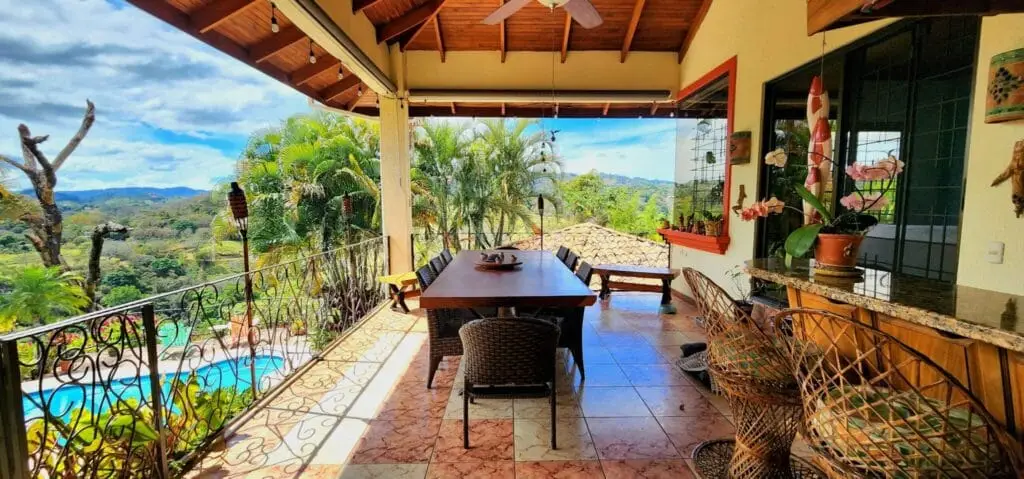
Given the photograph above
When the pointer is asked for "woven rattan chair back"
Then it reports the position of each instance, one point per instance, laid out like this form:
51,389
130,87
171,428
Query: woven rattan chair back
425,276
875,407
437,264
500,351
562,251
585,273
446,256
571,259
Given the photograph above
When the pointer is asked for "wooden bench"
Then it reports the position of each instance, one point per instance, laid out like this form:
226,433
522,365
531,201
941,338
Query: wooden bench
401,286
666,275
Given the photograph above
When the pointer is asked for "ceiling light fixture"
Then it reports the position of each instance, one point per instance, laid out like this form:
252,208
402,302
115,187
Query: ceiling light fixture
341,72
274,27
359,91
312,57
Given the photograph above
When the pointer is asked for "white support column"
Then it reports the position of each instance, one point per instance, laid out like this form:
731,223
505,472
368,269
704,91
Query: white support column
395,191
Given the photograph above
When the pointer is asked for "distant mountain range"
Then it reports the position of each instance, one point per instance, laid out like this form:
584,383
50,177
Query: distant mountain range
141,192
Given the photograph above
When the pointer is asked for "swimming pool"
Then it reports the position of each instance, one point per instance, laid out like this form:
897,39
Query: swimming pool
97,398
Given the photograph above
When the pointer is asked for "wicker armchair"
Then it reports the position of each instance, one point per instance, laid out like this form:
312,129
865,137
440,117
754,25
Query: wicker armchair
752,368
442,328
875,407
570,260
508,351
562,251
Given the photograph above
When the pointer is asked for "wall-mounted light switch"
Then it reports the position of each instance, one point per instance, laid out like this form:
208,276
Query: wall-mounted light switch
994,254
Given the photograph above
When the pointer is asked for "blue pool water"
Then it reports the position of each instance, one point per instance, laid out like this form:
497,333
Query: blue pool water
65,400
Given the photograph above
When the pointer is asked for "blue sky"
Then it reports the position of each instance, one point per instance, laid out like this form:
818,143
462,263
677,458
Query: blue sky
172,111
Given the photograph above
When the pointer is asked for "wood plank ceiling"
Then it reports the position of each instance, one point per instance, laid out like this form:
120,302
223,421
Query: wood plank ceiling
242,29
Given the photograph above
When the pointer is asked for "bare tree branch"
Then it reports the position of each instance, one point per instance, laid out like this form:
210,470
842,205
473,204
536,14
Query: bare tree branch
99,234
30,144
87,121
14,163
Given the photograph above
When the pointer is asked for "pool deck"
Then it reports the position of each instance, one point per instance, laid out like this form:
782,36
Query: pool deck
364,410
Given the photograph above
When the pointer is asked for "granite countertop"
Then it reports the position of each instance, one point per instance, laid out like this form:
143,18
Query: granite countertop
984,315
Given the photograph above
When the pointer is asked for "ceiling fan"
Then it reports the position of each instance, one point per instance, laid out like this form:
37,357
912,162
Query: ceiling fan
580,10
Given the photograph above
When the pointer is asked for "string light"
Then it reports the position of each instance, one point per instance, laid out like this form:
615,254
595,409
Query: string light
274,27
312,57
672,114
359,91
341,72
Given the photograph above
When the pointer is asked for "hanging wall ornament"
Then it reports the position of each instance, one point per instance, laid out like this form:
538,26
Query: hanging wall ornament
1005,99
819,166
1015,173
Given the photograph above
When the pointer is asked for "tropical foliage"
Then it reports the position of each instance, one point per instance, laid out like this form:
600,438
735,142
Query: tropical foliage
40,295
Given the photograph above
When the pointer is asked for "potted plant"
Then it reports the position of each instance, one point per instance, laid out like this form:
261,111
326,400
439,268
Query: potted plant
836,236
712,224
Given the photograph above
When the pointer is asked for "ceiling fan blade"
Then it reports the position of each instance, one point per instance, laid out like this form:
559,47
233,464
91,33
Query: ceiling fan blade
505,11
583,12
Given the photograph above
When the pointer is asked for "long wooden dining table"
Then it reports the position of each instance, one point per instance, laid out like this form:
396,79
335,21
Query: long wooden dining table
542,281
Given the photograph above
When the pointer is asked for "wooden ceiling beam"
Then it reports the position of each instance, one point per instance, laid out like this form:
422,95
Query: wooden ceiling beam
411,19
360,5
566,32
274,44
503,33
634,21
211,15
438,37
177,19
339,88
691,32
829,14
524,111
411,35
310,70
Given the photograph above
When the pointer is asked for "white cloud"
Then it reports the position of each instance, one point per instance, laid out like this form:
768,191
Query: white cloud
144,76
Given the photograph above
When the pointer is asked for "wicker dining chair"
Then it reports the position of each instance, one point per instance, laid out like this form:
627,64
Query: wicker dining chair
753,369
875,407
562,251
442,328
446,256
570,260
509,351
437,265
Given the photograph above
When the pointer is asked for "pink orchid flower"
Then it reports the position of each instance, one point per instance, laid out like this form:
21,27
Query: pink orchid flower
883,170
868,202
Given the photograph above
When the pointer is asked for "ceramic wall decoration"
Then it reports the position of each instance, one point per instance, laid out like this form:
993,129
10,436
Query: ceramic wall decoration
739,148
1015,173
819,152
1005,99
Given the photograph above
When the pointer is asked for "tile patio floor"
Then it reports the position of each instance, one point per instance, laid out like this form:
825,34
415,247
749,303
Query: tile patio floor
364,411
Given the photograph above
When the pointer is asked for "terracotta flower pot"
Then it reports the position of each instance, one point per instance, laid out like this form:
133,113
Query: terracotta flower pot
838,251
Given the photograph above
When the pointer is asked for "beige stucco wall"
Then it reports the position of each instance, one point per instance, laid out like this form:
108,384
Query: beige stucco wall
769,39
988,215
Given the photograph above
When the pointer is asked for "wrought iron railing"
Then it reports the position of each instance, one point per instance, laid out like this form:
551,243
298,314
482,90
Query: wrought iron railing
594,244
141,389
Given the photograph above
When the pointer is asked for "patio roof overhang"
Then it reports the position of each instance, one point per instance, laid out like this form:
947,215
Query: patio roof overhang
439,59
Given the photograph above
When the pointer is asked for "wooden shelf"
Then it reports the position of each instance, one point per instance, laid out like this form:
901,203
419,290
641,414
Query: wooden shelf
711,244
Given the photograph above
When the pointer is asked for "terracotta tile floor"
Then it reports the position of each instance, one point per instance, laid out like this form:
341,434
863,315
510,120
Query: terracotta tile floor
364,411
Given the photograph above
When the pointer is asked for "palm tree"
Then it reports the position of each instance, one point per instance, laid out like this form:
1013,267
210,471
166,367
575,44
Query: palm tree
518,163
41,295
441,150
298,176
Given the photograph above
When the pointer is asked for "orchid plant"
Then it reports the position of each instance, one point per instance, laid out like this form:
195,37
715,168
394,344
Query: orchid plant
855,220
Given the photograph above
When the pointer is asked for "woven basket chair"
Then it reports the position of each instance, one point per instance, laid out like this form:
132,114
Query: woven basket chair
875,407
508,351
753,370
570,260
442,328
562,251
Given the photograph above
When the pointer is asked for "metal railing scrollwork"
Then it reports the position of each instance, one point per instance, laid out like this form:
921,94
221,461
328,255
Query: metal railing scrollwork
139,390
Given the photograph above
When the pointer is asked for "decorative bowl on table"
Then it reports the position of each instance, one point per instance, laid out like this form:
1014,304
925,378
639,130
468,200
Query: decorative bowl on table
498,262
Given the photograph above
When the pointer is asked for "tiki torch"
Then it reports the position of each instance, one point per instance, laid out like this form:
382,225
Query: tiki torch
240,212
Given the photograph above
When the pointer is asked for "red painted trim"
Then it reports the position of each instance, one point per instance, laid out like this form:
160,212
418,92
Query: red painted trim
721,244
711,244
